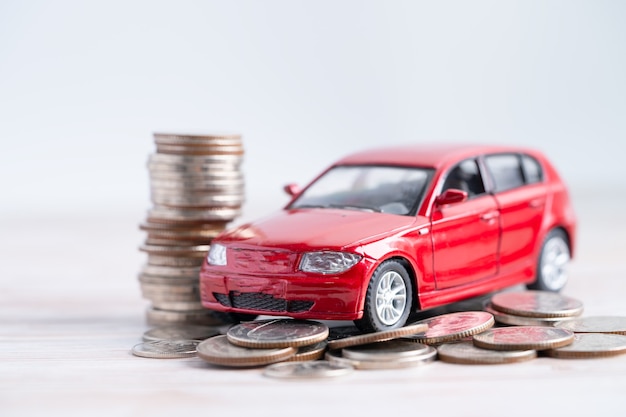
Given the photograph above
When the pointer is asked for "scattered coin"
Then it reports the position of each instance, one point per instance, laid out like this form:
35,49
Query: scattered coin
166,349
219,351
182,332
390,350
310,352
335,356
591,345
453,326
467,353
277,333
514,320
523,338
595,324
363,339
307,370
536,304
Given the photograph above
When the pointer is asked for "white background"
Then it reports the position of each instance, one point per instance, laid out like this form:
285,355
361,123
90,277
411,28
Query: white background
83,85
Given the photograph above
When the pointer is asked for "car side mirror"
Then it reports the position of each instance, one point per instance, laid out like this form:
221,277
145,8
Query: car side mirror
292,189
451,196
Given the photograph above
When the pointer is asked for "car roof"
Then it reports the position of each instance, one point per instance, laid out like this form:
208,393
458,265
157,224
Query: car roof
426,155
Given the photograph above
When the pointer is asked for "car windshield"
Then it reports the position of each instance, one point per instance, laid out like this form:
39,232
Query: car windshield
385,189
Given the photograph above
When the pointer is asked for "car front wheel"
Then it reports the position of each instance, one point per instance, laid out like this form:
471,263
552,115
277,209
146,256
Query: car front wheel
388,300
553,262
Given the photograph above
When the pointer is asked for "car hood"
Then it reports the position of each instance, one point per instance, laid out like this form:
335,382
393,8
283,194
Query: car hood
301,229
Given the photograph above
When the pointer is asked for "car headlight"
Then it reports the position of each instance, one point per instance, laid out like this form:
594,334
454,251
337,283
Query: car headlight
328,262
217,255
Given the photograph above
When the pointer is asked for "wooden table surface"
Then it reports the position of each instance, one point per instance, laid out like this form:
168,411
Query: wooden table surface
71,310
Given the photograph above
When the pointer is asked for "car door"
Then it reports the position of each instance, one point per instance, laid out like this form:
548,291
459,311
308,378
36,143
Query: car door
465,234
521,197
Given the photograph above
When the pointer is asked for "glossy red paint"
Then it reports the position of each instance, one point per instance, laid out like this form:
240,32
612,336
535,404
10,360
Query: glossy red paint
451,249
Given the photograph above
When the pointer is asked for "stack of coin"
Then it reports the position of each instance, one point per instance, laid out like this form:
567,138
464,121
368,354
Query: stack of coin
197,187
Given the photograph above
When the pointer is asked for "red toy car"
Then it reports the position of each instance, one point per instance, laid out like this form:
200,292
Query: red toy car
386,232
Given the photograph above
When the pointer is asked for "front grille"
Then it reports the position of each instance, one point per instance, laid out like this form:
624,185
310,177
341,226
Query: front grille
262,302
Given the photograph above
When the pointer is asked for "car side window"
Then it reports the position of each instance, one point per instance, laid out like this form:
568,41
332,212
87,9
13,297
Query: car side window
532,169
505,170
466,177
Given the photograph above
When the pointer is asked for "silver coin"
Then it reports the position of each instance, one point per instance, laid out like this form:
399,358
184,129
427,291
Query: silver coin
191,160
514,320
364,339
188,251
335,356
167,281
166,349
181,332
199,150
171,289
219,351
176,305
595,324
174,261
167,214
196,202
151,240
591,345
453,326
467,353
310,352
220,173
277,333
523,338
205,317
192,187
536,304
307,370
168,271
389,350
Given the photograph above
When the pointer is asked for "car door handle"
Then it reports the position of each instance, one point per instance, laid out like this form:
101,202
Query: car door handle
490,215
536,203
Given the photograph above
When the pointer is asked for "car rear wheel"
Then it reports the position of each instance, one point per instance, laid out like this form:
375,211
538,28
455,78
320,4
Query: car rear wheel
553,262
388,300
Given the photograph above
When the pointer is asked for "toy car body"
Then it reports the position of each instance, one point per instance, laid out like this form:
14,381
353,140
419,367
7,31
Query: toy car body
385,232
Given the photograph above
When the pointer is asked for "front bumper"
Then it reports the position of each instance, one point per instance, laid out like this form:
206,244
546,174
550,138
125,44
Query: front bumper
298,295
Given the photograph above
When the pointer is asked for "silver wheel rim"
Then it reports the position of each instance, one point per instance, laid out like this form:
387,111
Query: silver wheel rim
554,262
390,298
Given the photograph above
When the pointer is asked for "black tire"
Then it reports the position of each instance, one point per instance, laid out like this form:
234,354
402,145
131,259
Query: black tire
388,300
551,274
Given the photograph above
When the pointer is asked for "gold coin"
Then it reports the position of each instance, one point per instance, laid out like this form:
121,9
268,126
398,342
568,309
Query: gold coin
469,354
219,351
382,336
523,338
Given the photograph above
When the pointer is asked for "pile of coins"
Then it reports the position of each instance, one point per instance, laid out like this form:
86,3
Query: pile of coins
196,187
295,348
